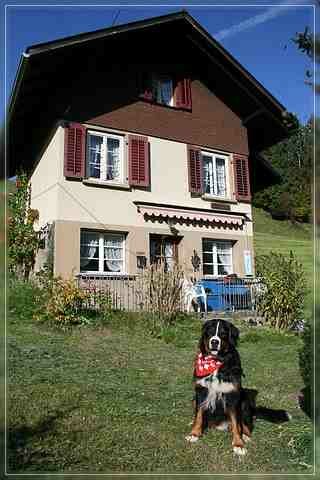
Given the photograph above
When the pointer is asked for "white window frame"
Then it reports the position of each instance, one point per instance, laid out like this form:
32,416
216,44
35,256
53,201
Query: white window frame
104,157
101,236
214,156
214,253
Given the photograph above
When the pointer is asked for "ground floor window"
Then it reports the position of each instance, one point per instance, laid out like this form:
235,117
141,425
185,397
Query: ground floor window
164,249
102,252
217,257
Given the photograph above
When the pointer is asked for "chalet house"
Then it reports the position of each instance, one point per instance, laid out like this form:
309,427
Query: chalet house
143,143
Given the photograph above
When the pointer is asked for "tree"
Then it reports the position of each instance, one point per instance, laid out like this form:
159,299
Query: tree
309,45
290,199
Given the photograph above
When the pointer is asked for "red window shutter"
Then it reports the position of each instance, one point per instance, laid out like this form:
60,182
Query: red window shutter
139,167
146,86
147,94
195,170
241,177
74,150
183,93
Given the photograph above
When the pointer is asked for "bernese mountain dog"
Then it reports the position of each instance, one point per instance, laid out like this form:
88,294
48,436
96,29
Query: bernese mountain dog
220,401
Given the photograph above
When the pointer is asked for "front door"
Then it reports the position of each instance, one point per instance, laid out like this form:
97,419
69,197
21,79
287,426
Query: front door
164,248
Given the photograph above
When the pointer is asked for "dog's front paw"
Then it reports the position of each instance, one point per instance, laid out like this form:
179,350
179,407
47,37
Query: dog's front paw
192,438
245,438
239,450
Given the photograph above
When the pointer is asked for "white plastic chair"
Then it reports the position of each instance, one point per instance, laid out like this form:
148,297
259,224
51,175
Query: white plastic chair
193,292
199,292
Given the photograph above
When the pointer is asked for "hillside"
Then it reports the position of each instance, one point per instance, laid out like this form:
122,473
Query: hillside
283,236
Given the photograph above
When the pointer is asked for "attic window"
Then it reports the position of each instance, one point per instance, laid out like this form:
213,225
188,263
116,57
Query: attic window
166,90
163,90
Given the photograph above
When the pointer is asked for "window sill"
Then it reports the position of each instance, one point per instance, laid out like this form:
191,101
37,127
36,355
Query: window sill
104,275
106,184
213,277
174,107
213,198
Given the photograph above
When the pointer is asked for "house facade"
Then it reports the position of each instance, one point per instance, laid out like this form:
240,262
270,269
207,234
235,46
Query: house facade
142,162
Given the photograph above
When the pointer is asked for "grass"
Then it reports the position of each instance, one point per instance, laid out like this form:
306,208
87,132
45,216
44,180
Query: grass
111,399
283,237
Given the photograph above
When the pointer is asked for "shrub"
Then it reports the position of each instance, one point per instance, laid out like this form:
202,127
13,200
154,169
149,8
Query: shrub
281,303
65,304
160,294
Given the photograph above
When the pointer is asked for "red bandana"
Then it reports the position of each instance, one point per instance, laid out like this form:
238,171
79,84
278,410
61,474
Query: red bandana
206,365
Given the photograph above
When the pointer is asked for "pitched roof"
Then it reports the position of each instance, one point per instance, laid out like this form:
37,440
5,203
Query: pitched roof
47,72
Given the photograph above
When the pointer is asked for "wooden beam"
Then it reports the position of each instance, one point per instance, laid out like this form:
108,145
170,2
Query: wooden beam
253,115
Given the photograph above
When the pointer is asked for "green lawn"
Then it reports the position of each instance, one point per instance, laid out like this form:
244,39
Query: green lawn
112,399
282,236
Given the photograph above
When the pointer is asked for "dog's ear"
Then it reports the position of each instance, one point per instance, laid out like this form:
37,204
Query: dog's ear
202,344
233,335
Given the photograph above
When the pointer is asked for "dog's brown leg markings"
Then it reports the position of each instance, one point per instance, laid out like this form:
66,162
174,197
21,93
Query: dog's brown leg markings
246,433
197,427
237,442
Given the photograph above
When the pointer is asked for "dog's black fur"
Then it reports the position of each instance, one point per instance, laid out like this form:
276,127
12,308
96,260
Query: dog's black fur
236,404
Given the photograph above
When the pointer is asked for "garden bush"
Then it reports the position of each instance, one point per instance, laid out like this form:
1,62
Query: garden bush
62,303
160,295
281,301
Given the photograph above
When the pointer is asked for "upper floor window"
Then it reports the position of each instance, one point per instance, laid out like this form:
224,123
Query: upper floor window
101,252
209,174
110,158
105,156
215,178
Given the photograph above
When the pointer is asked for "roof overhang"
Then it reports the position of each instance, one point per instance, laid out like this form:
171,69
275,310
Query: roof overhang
48,73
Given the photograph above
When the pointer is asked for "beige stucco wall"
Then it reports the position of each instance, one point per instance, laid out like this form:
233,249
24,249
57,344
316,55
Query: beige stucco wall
76,204
85,202
45,179
67,245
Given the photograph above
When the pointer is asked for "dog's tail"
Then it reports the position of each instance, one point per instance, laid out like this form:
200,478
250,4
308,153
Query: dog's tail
270,415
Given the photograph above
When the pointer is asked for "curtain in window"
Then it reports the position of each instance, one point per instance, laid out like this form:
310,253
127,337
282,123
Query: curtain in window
224,259
89,249
168,254
165,91
216,257
95,143
113,159
208,174
113,254
221,177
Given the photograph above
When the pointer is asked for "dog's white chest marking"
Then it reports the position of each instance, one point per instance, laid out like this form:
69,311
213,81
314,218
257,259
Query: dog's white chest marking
215,390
